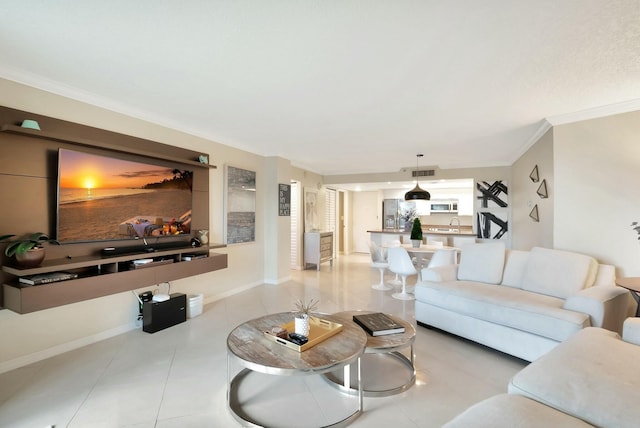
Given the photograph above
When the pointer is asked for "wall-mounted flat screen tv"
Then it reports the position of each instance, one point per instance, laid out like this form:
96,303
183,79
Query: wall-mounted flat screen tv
104,198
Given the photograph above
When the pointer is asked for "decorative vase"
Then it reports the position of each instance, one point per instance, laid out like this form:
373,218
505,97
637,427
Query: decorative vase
302,324
203,236
31,258
416,243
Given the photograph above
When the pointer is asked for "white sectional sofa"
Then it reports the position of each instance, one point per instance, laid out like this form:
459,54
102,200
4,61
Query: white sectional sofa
592,379
523,303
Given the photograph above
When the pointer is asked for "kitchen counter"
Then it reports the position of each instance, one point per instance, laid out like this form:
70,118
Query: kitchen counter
430,230
443,234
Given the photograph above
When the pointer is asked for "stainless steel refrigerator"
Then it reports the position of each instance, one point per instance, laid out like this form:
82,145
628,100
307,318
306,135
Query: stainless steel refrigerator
396,212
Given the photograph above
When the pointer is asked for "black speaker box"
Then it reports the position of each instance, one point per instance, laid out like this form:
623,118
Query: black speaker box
157,316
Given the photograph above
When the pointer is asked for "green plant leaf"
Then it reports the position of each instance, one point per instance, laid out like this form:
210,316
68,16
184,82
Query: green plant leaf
19,247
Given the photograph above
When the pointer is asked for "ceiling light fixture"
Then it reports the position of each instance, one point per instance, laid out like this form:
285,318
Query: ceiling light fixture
417,193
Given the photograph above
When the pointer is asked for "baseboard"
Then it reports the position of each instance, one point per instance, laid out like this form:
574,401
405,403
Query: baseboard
65,347
88,340
277,281
231,292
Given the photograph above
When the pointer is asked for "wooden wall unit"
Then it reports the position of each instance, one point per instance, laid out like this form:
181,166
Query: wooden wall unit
28,185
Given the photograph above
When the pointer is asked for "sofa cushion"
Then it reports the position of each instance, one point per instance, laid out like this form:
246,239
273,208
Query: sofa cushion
594,376
482,262
631,330
508,411
531,312
514,266
558,273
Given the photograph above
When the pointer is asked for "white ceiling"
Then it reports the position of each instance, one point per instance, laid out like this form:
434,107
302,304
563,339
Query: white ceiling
337,87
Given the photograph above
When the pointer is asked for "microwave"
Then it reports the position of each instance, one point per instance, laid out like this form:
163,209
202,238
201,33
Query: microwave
444,207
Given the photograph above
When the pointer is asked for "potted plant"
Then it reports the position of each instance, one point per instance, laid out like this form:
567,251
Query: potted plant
416,233
27,249
303,315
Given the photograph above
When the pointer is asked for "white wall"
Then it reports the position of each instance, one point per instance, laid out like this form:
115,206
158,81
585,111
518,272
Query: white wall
528,233
597,190
367,210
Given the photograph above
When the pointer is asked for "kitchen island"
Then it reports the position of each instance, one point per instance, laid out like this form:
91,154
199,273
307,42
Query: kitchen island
387,236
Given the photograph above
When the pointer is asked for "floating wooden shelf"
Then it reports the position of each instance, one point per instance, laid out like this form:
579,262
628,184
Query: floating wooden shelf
102,276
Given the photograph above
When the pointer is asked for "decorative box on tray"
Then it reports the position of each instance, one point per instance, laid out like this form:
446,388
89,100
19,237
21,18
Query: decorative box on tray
319,331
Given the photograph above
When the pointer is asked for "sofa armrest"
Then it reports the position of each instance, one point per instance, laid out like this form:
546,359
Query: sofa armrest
631,330
606,305
440,273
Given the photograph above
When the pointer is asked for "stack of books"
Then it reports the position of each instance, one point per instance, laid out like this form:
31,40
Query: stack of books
46,278
378,324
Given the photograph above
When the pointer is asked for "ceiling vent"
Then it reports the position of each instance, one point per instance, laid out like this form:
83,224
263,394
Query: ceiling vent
424,173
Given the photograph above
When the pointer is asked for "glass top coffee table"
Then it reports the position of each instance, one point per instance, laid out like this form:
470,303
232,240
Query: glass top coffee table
248,347
388,352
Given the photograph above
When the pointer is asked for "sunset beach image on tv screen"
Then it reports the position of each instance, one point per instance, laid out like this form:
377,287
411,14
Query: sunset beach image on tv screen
105,198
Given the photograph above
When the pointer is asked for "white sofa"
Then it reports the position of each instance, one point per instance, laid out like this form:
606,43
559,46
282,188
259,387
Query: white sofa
523,303
592,379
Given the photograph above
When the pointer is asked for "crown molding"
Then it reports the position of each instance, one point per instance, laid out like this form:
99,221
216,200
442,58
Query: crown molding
74,94
542,129
595,113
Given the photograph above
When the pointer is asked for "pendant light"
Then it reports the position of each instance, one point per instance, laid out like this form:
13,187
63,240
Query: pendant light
417,193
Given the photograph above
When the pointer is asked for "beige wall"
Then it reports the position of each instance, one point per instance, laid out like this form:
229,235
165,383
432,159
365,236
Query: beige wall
597,195
277,240
528,233
30,337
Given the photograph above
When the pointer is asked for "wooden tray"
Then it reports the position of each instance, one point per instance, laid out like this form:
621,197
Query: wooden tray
319,330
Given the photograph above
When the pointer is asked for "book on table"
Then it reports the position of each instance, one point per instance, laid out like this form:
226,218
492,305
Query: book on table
378,324
46,278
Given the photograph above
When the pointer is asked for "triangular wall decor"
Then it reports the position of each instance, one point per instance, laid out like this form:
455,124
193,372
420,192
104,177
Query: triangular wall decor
534,213
542,190
534,174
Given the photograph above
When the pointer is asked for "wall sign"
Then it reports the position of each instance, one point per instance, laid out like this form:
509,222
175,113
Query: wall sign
284,200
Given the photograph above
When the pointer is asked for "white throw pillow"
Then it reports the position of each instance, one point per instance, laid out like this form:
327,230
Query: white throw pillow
515,264
558,273
482,262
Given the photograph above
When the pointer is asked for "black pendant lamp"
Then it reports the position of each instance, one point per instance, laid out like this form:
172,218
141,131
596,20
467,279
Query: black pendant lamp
417,194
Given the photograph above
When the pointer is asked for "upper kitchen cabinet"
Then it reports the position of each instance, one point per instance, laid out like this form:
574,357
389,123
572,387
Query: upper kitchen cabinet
465,202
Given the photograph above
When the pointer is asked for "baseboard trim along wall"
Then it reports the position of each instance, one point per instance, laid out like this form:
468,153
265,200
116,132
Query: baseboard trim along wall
88,340
65,347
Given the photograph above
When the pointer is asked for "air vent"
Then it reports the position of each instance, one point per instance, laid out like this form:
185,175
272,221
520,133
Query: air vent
424,173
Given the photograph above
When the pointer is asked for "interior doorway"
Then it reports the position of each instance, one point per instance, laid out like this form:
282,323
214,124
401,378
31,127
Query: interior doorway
295,226
341,225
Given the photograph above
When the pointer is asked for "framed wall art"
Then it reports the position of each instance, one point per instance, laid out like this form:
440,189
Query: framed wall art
310,210
240,205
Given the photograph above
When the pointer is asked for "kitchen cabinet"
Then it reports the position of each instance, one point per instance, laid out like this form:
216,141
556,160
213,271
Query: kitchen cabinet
465,203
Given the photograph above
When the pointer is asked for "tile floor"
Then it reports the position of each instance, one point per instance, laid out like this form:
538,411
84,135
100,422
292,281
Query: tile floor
177,377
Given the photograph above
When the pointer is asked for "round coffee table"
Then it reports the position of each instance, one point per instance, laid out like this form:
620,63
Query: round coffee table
247,345
387,346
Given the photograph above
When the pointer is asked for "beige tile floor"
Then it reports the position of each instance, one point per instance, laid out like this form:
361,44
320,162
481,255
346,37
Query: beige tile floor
177,377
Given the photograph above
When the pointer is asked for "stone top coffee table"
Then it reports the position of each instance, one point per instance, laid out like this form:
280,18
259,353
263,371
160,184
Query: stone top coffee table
247,346
388,347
